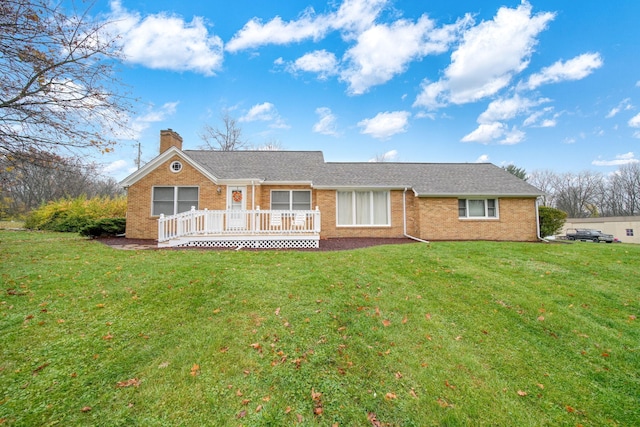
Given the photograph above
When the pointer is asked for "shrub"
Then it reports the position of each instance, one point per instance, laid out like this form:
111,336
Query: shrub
104,227
71,215
551,220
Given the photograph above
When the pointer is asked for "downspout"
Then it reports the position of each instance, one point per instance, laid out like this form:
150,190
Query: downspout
404,215
538,221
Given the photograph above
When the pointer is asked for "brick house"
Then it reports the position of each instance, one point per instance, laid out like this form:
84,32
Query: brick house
295,198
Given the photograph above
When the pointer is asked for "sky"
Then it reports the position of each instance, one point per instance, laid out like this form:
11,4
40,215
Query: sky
541,84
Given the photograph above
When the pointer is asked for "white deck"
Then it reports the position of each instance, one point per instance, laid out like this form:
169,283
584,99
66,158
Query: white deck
240,228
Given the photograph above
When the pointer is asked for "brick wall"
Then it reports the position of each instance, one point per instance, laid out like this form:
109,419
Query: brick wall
439,220
140,223
327,202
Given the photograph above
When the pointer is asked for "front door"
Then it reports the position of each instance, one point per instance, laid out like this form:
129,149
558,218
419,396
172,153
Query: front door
236,205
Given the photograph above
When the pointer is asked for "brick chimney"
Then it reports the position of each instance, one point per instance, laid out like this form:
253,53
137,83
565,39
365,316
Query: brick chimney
168,139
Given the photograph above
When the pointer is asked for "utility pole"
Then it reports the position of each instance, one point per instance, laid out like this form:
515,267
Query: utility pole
139,155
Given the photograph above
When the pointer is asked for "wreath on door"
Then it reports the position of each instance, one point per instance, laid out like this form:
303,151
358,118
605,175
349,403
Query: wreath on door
236,196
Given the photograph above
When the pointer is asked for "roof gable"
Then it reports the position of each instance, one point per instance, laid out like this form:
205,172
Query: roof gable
157,161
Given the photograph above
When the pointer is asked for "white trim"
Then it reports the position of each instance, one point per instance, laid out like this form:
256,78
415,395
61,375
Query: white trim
176,163
290,197
153,164
175,197
353,202
486,216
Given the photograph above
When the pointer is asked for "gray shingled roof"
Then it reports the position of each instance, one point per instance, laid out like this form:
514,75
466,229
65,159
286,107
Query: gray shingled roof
275,166
426,179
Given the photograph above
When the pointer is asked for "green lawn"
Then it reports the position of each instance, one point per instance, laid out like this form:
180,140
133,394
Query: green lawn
441,334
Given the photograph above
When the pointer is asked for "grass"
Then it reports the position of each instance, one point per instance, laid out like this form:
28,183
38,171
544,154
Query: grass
446,334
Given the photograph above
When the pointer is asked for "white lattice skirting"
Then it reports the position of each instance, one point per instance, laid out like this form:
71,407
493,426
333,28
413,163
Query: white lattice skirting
249,243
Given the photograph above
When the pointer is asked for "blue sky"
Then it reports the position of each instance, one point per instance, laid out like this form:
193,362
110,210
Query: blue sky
540,84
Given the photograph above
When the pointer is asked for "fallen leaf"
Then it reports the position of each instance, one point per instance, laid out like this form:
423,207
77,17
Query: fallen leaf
277,313
373,419
60,320
107,337
86,409
241,414
390,396
428,316
569,409
266,398
632,317
522,393
443,403
258,408
541,386
413,393
299,417
605,354
195,370
386,322
287,410
239,393
452,387
163,365
129,383
398,375
540,318
245,402
404,320
224,349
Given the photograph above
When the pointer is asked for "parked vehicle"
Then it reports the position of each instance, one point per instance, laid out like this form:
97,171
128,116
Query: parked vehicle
588,234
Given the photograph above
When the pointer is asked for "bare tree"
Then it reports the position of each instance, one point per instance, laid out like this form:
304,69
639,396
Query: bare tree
578,194
623,192
25,184
58,86
271,145
228,137
545,180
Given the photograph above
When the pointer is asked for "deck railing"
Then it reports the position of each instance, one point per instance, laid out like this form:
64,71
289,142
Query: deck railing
238,222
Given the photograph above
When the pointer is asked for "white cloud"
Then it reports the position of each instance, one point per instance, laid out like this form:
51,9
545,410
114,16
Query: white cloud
514,136
353,17
326,124
383,51
117,167
260,112
486,133
489,132
385,125
488,57
508,108
320,62
624,105
573,69
634,122
265,112
621,159
167,42
484,158
141,123
255,33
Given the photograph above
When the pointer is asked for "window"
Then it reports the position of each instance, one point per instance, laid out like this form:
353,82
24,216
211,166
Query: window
175,166
291,200
630,232
173,200
478,208
363,208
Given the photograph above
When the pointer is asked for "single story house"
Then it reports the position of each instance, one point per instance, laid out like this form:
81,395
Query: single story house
292,199
624,228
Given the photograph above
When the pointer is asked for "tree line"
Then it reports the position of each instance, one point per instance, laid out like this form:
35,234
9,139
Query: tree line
591,194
